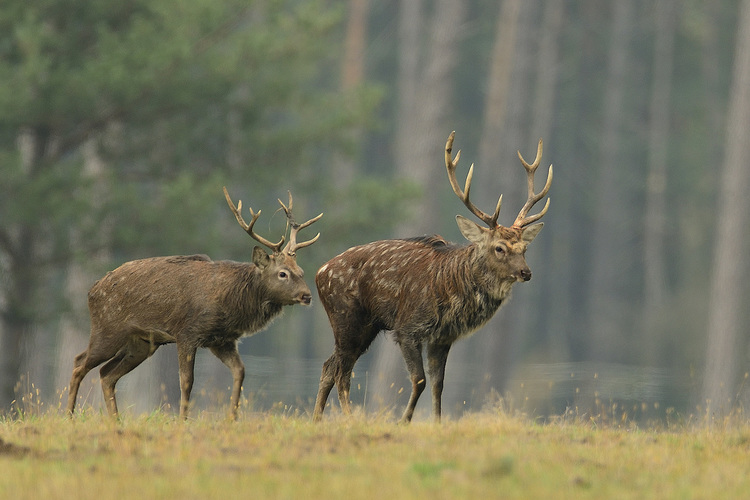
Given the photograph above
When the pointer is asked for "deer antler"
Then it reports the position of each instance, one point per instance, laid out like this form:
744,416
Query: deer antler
522,220
276,247
450,164
292,247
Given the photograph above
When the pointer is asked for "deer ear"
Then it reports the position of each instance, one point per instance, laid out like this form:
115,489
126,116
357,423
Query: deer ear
260,258
471,230
530,232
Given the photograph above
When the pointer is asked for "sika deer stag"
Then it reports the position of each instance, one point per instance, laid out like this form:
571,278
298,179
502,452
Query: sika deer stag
426,291
192,301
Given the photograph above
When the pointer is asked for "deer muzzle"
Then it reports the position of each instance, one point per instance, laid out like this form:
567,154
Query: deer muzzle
305,299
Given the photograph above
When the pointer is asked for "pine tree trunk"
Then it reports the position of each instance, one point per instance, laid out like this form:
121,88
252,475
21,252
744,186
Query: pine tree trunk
726,301
607,317
654,254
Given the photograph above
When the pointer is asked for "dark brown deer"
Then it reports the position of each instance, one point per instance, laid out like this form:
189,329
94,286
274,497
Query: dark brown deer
192,301
426,291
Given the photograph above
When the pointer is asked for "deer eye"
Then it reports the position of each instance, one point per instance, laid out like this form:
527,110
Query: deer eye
283,275
499,249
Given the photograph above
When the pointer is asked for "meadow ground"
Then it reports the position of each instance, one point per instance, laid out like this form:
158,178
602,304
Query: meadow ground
489,454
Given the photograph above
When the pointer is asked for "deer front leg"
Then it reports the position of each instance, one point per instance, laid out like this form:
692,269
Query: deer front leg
437,355
186,361
229,355
413,357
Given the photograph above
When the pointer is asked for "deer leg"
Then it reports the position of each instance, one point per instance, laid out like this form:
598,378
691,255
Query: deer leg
343,377
437,355
229,355
128,357
327,381
186,361
413,357
102,347
80,369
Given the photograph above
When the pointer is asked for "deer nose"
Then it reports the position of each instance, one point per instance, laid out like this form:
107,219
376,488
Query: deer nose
306,299
525,274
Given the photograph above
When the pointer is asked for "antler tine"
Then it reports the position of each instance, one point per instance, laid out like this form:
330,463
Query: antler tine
450,165
287,210
522,220
292,247
276,247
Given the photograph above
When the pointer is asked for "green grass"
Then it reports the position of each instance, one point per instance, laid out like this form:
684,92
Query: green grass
277,455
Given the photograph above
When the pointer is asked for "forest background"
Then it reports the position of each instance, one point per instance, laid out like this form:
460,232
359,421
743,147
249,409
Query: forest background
119,124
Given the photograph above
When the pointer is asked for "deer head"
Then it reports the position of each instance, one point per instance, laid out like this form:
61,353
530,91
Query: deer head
282,262
503,248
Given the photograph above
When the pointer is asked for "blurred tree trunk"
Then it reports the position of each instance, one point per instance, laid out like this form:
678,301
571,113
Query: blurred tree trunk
498,88
427,99
352,76
504,132
74,327
607,312
17,324
554,244
654,254
432,98
711,70
353,67
726,300
22,244
410,29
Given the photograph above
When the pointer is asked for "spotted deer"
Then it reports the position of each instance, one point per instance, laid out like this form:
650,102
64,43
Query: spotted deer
426,291
194,302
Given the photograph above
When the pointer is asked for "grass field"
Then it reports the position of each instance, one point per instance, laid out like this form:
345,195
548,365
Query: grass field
490,454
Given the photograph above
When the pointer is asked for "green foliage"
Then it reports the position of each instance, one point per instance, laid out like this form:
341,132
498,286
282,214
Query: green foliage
179,98
172,218
120,123
372,208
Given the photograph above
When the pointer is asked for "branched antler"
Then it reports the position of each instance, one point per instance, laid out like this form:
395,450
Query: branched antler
292,247
276,247
450,165
522,220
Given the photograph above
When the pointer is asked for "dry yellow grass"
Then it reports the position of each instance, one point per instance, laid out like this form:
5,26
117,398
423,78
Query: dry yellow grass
276,455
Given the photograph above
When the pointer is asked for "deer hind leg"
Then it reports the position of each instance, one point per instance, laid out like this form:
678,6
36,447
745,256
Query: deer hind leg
413,356
343,378
351,342
336,370
80,370
127,358
101,348
327,380
229,355
437,355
